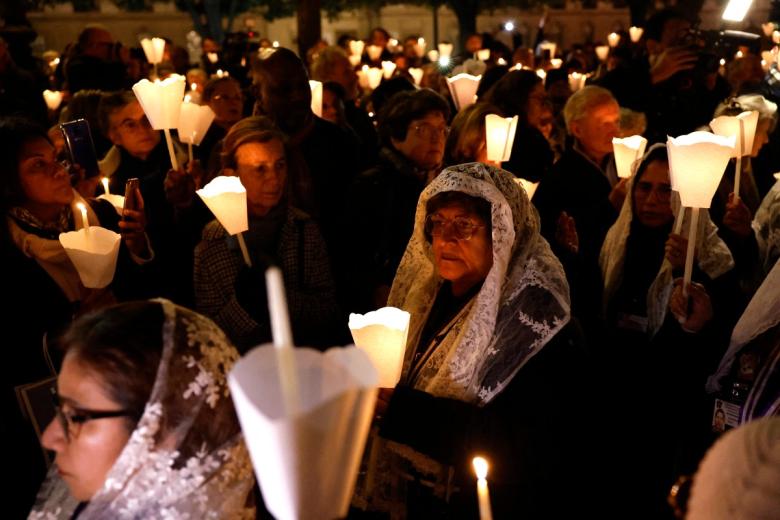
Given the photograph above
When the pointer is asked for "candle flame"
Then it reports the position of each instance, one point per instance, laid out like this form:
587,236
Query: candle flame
105,185
480,467
81,206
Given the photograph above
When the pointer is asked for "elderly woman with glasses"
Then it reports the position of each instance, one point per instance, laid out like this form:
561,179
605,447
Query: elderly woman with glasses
232,293
489,359
41,287
144,424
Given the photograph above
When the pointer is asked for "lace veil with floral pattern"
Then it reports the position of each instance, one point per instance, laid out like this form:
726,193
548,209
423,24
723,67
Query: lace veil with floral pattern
523,302
186,457
714,257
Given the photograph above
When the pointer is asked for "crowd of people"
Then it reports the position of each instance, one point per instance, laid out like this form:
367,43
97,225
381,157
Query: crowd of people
550,327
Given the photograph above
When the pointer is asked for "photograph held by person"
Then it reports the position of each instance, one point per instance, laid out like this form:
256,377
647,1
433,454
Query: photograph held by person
233,294
145,426
413,129
491,365
41,286
646,352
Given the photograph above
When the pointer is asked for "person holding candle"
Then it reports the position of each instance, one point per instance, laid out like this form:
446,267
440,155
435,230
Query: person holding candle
144,424
466,141
41,286
176,217
490,356
645,343
234,294
521,93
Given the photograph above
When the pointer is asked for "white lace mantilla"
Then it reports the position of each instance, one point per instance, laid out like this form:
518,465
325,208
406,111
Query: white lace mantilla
523,302
186,458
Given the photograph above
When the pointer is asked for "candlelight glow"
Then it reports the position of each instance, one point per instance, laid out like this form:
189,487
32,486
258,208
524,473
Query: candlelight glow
613,39
316,97
483,54
500,136
433,55
354,60
635,33
225,196
194,122
374,77
730,126
556,63
480,467
213,57
53,99
463,88
382,335
736,10
699,160
627,151
445,50
388,67
374,52
602,51
161,100
154,49
416,74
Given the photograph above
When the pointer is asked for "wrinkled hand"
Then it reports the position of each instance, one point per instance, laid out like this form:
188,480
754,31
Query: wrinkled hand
670,62
693,312
132,227
618,194
180,188
738,218
85,186
383,401
676,249
566,233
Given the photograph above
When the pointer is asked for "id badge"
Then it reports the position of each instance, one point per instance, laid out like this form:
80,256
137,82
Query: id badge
725,416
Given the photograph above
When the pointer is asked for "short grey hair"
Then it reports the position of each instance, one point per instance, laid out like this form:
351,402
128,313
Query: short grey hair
325,61
583,101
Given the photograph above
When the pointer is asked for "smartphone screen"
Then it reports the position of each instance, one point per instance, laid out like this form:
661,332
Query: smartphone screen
81,149
130,195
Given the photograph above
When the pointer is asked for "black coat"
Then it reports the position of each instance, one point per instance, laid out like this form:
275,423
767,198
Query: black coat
534,434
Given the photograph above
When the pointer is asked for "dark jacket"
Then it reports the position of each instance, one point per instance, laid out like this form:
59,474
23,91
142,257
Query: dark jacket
382,205
534,435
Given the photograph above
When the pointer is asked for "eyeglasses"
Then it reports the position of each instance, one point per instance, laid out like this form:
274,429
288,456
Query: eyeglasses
71,421
462,228
662,191
427,131
48,168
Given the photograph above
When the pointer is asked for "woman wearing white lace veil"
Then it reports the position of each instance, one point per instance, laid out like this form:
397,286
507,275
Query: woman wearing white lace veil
145,427
713,257
651,357
489,363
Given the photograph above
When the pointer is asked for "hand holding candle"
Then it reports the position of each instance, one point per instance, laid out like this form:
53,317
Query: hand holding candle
161,101
483,496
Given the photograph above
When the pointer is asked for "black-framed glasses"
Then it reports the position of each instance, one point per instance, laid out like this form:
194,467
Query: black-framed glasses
462,228
428,131
71,421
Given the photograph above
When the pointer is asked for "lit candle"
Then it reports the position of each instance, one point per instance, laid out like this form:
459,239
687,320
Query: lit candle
776,37
635,33
613,39
602,51
481,469
105,185
556,63
84,221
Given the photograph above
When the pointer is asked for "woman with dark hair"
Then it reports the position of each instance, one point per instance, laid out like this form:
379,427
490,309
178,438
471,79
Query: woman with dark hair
647,352
521,93
41,287
489,358
233,294
144,425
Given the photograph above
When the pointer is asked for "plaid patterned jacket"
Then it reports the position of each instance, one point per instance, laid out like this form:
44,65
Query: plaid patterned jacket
303,259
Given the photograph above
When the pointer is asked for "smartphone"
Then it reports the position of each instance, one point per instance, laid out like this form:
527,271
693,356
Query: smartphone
81,149
130,195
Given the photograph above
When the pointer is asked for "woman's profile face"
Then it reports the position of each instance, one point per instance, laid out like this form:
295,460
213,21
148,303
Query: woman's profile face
652,196
262,168
45,182
463,262
88,450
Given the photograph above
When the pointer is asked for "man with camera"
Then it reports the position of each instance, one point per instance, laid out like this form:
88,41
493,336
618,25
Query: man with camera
676,83
97,62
